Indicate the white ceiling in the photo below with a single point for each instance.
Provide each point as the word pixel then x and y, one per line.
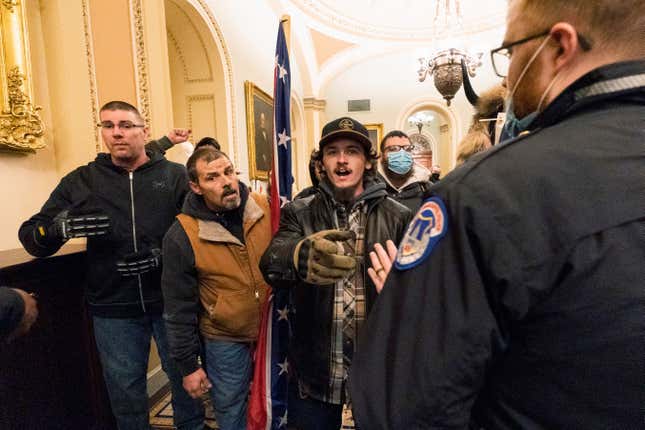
pixel 403 20
pixel 332 35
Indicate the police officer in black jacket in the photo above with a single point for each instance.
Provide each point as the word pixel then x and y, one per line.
pixel 123 203
pixel 517 300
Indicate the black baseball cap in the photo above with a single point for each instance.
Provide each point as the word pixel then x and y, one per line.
pixel 345 127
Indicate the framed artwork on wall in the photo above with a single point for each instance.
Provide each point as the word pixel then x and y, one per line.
pixel 376 134
pixel 259 130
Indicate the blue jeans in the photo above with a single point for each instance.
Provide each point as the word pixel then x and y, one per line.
pixel 311 414
pixel 229 368
pixel 124 347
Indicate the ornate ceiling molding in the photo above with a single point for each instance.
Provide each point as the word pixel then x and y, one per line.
pixel 331 14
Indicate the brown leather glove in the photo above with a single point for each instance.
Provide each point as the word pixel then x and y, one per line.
pixel 320 260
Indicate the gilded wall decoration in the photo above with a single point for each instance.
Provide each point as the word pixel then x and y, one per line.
pixel 10 4
pixel 91 72
pixel 190 100
pixel 21 128
pixel 143 92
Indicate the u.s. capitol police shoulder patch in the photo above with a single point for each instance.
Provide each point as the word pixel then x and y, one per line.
pixel 426 229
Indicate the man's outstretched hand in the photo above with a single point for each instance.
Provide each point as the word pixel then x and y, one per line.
pixel 320 260
pixel 381 263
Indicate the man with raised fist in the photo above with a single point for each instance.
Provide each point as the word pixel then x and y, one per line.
pixel 123 202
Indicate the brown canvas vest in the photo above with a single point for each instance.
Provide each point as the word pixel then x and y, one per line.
pixel 231 287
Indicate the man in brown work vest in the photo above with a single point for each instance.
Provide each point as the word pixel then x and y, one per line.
pixel 212 284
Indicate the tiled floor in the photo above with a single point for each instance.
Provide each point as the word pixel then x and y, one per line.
pixel 161 416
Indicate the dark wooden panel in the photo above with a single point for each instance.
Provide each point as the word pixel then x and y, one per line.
pixel 51 378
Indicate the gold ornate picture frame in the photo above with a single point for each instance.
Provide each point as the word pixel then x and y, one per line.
pixel 375 131
pixel 259 131
pixel 21 128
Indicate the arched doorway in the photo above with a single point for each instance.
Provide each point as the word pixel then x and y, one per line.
pixel 434 130
pixel 197 77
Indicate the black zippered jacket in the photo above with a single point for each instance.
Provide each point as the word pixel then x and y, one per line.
pixel 310 347
pixel 141 206
pixel 530 312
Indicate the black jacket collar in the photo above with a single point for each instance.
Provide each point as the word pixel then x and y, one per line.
pixel 373 189
pixel 105 159
pixel 604 84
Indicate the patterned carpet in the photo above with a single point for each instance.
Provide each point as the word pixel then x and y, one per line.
pixel 161 415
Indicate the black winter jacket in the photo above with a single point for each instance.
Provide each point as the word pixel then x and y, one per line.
pixel 530 312
pixel 312 323
pixel 141 206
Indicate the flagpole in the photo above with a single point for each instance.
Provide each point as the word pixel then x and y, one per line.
pixel 286 27
pixel 282 84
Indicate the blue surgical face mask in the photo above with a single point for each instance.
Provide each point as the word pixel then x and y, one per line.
pixel 400 162
pixel 513 125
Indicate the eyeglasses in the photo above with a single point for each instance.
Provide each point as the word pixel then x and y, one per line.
pixel 397 148
pixel 122 125
pixel 501 57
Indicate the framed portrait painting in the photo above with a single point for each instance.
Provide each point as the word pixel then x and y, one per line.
pixel 376 134
pixel 259 130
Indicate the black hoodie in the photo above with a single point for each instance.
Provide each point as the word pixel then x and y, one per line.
pixel 141 205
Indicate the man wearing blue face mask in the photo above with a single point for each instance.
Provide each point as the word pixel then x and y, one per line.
pixel 406 180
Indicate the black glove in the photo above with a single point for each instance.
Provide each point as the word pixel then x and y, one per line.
pixel 139 262
pixel 320 260
pixel 65 226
